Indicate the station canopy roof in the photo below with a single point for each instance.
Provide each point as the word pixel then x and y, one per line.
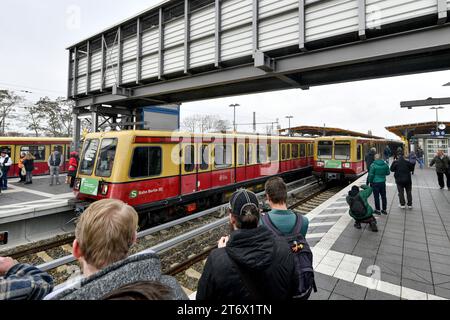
pixel 326 131
pixel 415 128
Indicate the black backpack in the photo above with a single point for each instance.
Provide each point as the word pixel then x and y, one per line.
pixel 357 206
pixel 303 256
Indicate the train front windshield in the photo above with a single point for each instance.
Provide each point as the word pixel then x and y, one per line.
pixel 325 149
pixel 105 161
pixel 88 158
pixel 342 150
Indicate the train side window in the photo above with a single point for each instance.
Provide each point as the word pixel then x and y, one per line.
pixel 37 151
pixel 288 151
pixel 106 158
pixel 8 150
pixel 262 153
pixel 302 150
pixel 295 151
pixel 311 150
pixel 223 156
pixel 146 162
pixel 189 158
pixel 325 149
pixel 250 159
pixel 283 151
pixel 204 156
pixel 241 155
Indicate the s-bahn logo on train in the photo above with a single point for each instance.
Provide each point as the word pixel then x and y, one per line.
pixel 134 194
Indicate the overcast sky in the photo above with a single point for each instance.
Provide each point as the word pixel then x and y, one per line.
pixel 34 36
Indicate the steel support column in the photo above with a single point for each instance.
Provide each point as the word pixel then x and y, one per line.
pixel 75 73
pixel 138 51
pixel 217 34
pixel 103 65
pixel 255 26
pixel 301 25
pixel 94 121
pixel 119 56
pixel 160 45
pixel 362 19
pixel 76 131
pixel 88 67
pixel 187 35
pixel 70 77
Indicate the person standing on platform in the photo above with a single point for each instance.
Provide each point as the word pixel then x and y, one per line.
pixel 402 169
pixel 370 158
pixel 420 156
pixel 442 163
pixel 21 166
pixel 54 162
pixel 387 153
pixel 378 172
pixel 5 165
pixel 413 159
pixel 29 167
pixel 73 167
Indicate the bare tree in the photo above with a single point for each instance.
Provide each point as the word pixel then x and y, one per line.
pixel 222 125
pixel 8 102
pixel 34 119
pixel 190 123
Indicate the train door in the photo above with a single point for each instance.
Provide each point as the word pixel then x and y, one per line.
pixel 250 170
pixel 188 169
pixel 40 154
pixel 240 162
pixel 10 151
pixel 204 166
pixel 360 163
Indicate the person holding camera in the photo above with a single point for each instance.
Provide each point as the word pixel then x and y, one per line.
pixel 23 281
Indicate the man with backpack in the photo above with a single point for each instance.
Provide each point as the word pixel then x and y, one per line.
pixel 251 264
pixel 360 210
pixel 377 179
pixel 5 165
pixel 54 162
pixel 291 227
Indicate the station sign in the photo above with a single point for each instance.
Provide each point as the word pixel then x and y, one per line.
pixel 438 134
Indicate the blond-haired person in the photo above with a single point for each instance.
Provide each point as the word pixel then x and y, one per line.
pixel 104 235
pixel 28 163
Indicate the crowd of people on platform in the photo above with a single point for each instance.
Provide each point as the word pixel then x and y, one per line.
pixel 26 166
pixel 265 257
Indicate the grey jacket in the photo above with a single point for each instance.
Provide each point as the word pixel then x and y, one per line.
pixel 141 267
pixel 442 165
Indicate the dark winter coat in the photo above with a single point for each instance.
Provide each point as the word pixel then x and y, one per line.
pixel 370 158
pixel 378 172
pixel 29 165
pixel 402 169
pixel 419 154
pixel 442 165
pixel 268 262
pixel 365 193
pixel 141 267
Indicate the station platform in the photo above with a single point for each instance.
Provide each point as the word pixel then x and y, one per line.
pixel 33 212
pixel 409 258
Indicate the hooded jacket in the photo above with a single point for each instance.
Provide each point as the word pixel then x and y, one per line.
pixel 365 193
pixel 267 261
pixel 141 267
pixel 378 172
pixel 369 158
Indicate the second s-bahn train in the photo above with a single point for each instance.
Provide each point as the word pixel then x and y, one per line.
pixel 343 157
pixel 159 172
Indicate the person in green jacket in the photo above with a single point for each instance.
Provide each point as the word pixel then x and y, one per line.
pixel 378 172
pixel 360 209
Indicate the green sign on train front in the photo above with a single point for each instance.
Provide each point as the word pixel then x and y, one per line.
pixel 333 164
pixel 89 186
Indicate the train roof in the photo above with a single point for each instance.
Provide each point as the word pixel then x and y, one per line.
pixel 177 134
pixel 37 139
pixel 355 138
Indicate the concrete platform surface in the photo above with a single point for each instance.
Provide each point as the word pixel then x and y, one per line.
pixel 409 258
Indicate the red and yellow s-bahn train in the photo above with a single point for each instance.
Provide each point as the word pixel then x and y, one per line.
pixel 156 171
pixel 343 157
pixel 40 148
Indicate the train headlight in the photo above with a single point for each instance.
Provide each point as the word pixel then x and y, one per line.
pixel 320 164
pixel 347 165
pixel 77 184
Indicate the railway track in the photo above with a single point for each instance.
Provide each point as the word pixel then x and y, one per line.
pixel 53 255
